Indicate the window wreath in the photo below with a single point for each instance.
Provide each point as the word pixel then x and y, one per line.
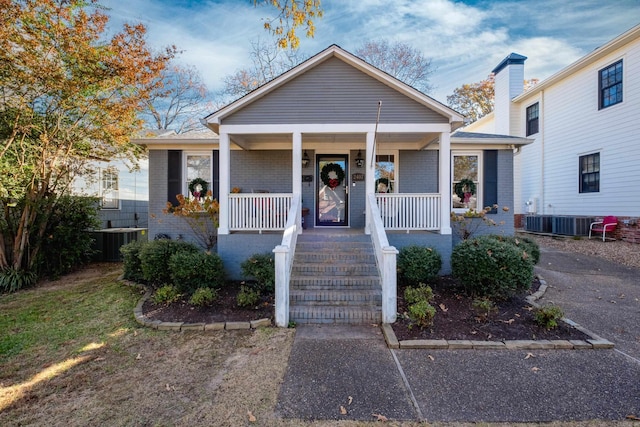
pixel 332 175
pixel 464 189
pixel 198 188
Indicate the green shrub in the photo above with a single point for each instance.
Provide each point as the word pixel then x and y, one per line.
pixel 67 242
pixel 260 267
pixel 422 292
pixel 132 267
pixel 548 316
pixel 154 259
pixel 529 246
pixel 203 297
pixel 166 294
pixel 12 280
pixel 418 264
pixel 484 307
pixel 247 297
pixel 422 313
pixel 491 268
pixel 193 270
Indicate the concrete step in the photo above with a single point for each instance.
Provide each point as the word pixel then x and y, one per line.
pixel 335 314
pixel 334 258
pixel 332 297
pixel 316 270
pixel 335 282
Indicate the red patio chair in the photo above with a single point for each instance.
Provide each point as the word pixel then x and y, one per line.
pixel 609 223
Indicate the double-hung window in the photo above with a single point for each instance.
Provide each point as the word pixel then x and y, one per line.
pixel 197 165
pixel 589 179
pixel 466 189
pixel 110 187
pixel 385 173
pixel 533 113
pixel 610 85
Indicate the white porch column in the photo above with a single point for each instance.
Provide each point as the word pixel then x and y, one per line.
pixel 445 183
pixel 297 164
pixel 225 178
pixel 370 178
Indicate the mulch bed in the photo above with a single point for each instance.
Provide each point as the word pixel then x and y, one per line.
pixel 456 319
pixel 225 309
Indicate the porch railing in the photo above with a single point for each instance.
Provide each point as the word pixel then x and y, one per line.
pixel 386 259
pixel 409 211
pixel 284 254
pixel 258 212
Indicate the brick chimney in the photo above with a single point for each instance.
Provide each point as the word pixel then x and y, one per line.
pixel 509 83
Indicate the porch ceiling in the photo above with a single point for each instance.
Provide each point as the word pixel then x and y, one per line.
pixel 405 141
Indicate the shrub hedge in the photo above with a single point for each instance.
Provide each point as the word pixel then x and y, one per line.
pixel 418 264
pixel 261 267
pixel 155 256
pixel 192 270
pixel 489 267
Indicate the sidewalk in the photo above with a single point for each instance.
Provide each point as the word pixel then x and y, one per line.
pixel 329 365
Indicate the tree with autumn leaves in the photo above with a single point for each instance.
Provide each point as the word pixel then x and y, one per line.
pixel 68 95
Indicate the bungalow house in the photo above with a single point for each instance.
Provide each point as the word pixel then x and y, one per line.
pixel 344 146
pixel 583 120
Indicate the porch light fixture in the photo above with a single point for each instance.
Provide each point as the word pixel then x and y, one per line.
pixel 305 159
pixel 359 159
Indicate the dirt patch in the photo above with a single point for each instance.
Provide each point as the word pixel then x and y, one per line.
pixel 457 319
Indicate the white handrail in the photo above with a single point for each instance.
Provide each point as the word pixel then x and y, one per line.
pixel 284 254
pixel 386 258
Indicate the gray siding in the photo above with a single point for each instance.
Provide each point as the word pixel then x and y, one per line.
pixel 132 213
pixel 333 92
pixel 418 171
pixel 237 247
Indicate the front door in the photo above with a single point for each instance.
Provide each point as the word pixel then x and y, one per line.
pixel 332 199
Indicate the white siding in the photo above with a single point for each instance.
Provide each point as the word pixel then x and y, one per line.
pixel 572 125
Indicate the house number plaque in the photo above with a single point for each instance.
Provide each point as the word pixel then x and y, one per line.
pixel 357 177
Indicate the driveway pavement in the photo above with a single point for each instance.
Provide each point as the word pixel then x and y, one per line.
pixel 348 373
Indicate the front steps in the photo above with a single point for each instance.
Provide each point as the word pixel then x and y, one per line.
pixel 335 279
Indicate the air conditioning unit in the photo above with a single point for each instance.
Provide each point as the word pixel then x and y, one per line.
pixel 538 223
pixel 571 225
pixel 109 240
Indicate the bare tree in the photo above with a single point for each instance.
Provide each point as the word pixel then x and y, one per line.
pixel 268 62
pixel 179 100
pixel 400 60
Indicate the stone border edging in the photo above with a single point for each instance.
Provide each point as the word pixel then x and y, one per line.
pixel 184 326
pixel 595 341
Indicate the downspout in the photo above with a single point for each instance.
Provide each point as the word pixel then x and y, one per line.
pixel 542 200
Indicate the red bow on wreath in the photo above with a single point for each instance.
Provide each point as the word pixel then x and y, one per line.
pixel 333 183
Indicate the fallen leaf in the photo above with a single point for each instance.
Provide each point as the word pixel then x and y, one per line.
pixel 138 357
pixel 443 308
pixel 350 400
pixel 529 356
pixel 621 296
pixel 474 332
pixel 517 315
pixel 168 387
pixel 535 369
pixel 343 410
pixel 135 333
pixel 252 418
pixel 99 359
pixel 612 301
pixel 380 417
pixel 431 357
pixel 633 417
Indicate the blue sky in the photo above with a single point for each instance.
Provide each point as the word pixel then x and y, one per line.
pixel 464 39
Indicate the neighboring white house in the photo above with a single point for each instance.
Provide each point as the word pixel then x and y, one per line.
pixel 584 120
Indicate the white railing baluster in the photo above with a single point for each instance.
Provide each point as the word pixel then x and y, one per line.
pixel 259 212
pixel 409 211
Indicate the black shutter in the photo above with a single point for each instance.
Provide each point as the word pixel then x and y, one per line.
pixel 216 175
pixel 490 184
pixel 174 175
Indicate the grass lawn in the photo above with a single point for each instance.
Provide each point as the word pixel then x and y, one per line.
pixel 71 354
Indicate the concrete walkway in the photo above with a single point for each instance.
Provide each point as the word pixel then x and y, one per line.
pixel 349 373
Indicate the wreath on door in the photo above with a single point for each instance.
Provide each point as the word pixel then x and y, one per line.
pixel 332 175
